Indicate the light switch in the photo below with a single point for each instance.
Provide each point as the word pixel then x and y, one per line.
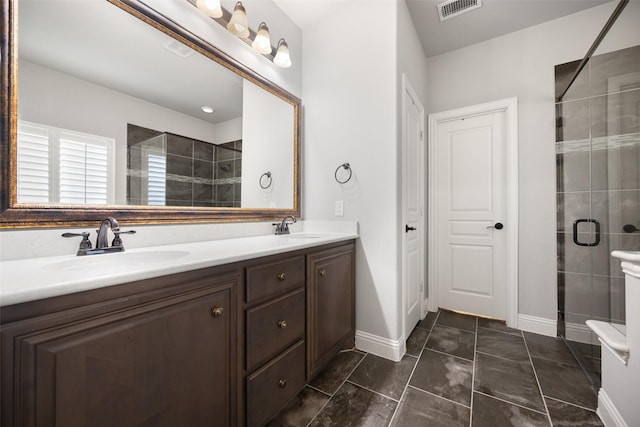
pixel 339 210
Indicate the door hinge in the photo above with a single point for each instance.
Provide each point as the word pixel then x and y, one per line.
pixel 421 136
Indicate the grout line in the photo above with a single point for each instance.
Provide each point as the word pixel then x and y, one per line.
pixel 372 391
pixel 338 388
pixel 501 357
pixel 318 390
pixel 473 373
pixel 404 392
pixel 502 332
pixel 569 403
pixel 440 397
pixel 449 354
pixel 514 404
pixel 535 374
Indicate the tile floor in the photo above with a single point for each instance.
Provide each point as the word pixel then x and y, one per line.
pixel 458 371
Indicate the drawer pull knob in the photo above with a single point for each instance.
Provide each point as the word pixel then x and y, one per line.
pixel 323 272
pixel 282 383
pixel 282 324
pixel 217 311
pixel 282 276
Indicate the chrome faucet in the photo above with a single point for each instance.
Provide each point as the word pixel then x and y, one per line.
pixel 102 241
pixel 283 227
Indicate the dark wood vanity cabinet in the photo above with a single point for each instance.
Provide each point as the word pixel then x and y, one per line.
pixel 221 346
pixel 157 358
pixel 330 305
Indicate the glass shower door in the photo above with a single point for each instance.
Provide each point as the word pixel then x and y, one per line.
pixel 598 186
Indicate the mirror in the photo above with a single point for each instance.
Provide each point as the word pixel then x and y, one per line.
pixel 151 124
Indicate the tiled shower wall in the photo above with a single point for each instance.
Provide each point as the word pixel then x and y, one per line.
pixel 197 173
pixel 598 177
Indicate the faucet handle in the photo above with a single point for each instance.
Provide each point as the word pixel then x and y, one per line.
pixel 85 244
pixel 117 241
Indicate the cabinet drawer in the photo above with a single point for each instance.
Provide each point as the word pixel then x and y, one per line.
pixel 274 326
pixel 271 387
pixel 272 279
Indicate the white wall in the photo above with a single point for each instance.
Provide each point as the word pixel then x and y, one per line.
pixel 266 147
pixel 351 98
pixel 522 64
pixel 230 130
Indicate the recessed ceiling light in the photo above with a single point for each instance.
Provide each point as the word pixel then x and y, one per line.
pixel 208 110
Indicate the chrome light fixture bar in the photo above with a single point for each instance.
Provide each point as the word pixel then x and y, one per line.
pixel 237 24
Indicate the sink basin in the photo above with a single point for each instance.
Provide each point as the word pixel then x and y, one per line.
pixel 633 256
pixel 117 260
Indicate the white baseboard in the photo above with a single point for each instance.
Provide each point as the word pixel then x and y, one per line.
pixel 380 346
pixel 580 333
pixel 538 325
pixel 608 412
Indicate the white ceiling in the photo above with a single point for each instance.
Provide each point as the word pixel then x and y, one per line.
pixel 493 19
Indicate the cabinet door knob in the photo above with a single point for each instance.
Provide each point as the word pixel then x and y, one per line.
pixel 282 324
pixel 282 383
pixel 282 276
pixel 323 272
pixel 217 311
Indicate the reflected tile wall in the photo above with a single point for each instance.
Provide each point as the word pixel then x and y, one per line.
pixel 598 153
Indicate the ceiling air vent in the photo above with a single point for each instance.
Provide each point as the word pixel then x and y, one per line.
pixel 451 8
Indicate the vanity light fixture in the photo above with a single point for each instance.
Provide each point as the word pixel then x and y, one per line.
pixel 282 58
pixel 211 8
pixel 262 41
pixel 207 109
pixel 239 25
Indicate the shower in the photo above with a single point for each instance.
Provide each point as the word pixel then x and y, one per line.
pixel 598 189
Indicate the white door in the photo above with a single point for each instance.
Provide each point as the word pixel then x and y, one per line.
pixel 413 190
pixel 471 205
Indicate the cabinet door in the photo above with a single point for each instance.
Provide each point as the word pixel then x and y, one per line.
pixel 330 305
pixel 166 363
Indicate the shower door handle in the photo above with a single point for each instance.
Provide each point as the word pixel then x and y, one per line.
pixel 596 242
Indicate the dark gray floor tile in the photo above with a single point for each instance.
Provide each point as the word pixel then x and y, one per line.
pixel 503 345
pixel 452 341
pixel 301 410
pixel 355 406
pixel 565 382
pixel 549 348
pixel 418 408
pixel 330 379
pixel 384 376
pixel 457 320
pixel 444 375
pixel 490 412
pixel 566 415
pixel 416 341
pixel 509 380
pixel 428 321
pixel 498 325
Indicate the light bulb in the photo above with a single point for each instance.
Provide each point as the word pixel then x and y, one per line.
pixel 262 42
pixel 238 25
pixel 211 7
pixel 282 58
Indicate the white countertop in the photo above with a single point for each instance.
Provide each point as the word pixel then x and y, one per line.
pixel 36 278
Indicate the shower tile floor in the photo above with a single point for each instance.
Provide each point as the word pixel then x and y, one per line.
pixel 459 370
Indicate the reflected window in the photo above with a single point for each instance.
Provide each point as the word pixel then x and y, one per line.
pixel 63 166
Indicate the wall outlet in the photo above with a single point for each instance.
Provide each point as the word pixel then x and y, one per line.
pixel 339 209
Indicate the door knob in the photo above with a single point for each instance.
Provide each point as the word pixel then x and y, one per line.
pixel 497 226
pixel 408 229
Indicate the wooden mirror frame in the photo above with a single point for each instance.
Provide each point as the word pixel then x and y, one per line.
pixel 14 215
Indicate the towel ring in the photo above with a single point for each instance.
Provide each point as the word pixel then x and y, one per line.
pixel 262 180
pixel 347 167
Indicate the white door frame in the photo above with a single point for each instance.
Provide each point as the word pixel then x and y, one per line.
pixel 510 108
pixel 408 90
